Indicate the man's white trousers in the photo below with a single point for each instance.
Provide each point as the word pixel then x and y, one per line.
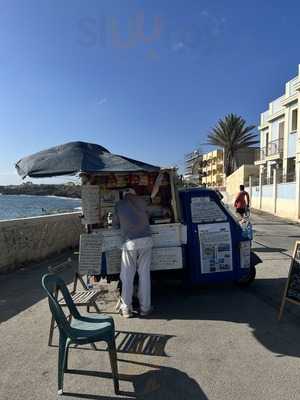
pixel 136 260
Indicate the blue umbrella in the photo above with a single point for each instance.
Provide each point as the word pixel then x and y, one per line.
pixel 71 158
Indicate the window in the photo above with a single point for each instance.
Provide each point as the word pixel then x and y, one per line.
pixel 294 119
pixel 267 143
pixel 281 129
pixel 291 170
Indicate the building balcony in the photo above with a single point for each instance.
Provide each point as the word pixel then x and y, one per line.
pixel 260 156
pixel 291 87
pixel 272 151
pixel 191 156
pixel 264 118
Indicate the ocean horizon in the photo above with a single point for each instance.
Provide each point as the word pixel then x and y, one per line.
pixel 24 206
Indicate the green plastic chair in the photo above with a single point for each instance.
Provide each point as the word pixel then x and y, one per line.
pixel 81 330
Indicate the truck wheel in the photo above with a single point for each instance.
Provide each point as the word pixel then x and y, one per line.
pixel 247 279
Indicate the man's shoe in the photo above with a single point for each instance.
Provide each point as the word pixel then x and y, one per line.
pixel 125 313
pixel 146 313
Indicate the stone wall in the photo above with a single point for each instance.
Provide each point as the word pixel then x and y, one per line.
pixel 31 239
pixel 279 199
pixel 239 177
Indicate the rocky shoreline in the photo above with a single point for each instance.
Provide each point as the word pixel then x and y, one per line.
pixel 72 191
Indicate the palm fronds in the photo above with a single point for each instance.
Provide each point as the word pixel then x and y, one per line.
pixel 232 134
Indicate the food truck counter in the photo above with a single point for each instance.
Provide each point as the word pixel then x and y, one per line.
pixel 101 193
pixel 167 250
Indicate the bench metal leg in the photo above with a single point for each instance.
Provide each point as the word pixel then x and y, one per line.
pixel 52 323
pixel 96 307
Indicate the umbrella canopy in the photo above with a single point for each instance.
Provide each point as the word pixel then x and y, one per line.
pixel 74 157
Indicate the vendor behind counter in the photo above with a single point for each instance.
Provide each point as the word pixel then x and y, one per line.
pixel 155 189
pixel 158 202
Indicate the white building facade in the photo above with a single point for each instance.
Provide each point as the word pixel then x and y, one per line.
pixel 279 135
pixel 278 187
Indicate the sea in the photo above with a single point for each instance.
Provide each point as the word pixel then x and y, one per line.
pixel 22 206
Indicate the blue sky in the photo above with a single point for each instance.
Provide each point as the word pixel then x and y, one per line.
pixel 142 78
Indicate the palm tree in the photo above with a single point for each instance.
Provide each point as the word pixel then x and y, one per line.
pixel 232 134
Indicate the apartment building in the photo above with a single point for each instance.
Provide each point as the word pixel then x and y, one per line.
pixel 208 169
pixel 213 169
pixel 279 126
pixel 193 166
pixel 213 165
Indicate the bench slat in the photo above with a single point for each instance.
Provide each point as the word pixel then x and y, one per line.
pixel 82 297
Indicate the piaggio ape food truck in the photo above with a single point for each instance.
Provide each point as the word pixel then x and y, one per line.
pixel 193 232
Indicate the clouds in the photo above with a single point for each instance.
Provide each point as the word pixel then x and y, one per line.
pixel 202 34
pixel 178 46
pixel 102 101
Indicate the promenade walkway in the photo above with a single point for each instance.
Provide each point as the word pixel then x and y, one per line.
pixel 216 343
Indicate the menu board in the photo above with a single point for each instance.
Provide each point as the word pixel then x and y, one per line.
pixel 292 288
pixel 166 258
pixel 205 209
pixel 90 253
pixel 168 235
pixel 112 240
pixel 163 258
pixel 245 254
pixel 113 261
pixel 215 247
pixel 90 201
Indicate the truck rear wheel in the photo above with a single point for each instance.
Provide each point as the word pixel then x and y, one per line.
pixel 247 279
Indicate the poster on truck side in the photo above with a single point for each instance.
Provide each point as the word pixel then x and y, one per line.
pixel 215 247
pixel 90 202
pixel 204 209
pixel 245 254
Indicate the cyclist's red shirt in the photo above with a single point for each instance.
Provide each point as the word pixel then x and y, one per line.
pixel 240 201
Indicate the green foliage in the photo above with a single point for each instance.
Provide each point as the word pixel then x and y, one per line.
pixel 232 134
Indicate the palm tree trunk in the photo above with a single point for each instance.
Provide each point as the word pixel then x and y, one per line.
pixel 228 163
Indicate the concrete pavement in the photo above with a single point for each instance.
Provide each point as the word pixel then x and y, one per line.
pixel 216 343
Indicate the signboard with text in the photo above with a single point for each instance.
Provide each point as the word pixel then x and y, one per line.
pixel 292 288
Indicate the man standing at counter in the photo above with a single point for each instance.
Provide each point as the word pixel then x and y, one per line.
pixel 131 215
